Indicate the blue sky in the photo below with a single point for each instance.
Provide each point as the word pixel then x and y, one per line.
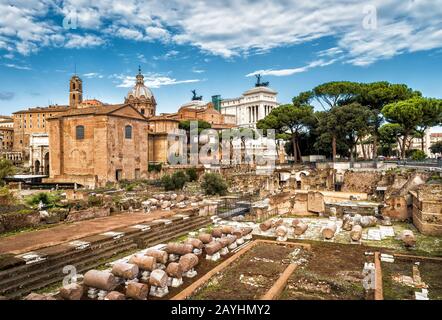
pixel 213 47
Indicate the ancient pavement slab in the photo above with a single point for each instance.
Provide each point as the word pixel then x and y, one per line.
pixel 33 240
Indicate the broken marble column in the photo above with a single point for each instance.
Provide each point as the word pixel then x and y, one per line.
pixel 115 295
pixel 137 291
pixel 328 232
pixel 99 283
pixel 197 245
pixel 224 246
pixel 408 238
pixel 281 233
pixel 158 283
pixel 217 233
pixel 266 225
pixel 300 228
pixel 205 238
pixel 125 271
pixel 213 250
pixel 232 242
pixel 37 296
pixel 368 221
pixel 160 256
pixel 237 232
pixel 175 250
pixel 72 291
pixel 145 263
pixel 356 233
pixel 227 229
pixel 277 222
pixel 188 262
pixel 247 233
pixel 175 273
pixel 347 223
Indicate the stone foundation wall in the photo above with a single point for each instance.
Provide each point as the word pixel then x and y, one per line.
pixel 397 208
pixel 427 209
pixel 361 181
pixel 19 220
pixel 88 214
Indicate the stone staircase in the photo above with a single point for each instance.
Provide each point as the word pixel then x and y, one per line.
pixel 44 267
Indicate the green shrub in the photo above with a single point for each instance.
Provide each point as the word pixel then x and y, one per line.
pixel 154 167
pixel 6 197
pixel 94 201
pixel 214 184
pixel 6 169
pixel 192 174
pixel 174 182
pixel 47 198
pixel 167 182
pixel 418 155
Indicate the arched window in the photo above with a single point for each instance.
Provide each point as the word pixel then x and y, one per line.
pixel 128 132
pixel 142 111
pixel 79 132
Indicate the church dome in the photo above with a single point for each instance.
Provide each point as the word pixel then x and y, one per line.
pixel 140 91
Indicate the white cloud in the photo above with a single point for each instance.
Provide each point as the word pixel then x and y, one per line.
pixel 195 70
pixel 152 80
pixel 79 41
pixel 130 34
pixel 15 66
pixel 289 72
pixel 230 28
pixel 92 75
pixel 167 55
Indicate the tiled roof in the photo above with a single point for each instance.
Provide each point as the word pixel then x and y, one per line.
pixel 43 109
pixel 99 110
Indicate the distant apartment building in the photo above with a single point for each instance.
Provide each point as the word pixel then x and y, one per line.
pixel 32 121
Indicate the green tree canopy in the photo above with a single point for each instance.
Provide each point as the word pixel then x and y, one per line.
pixel 6 169
pixel 332 94
pixel 348 122
pixel 436 147
pixel 289 118
pixel 185 125
pixel 376 95
pixel 412 115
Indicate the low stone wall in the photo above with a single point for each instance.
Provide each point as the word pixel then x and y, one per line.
pixel 18 220
pixel 365 182
pixel 397 208
pixel 88 214
pixel 300 201
pixel 427 209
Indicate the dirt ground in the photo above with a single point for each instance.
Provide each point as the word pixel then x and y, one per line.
pixel 250 276
pixel 430 272
pixel 33 240
pixel 333 271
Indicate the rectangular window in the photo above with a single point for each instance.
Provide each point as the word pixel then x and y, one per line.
pixel 79 132
pixel 128 132
pixel 118 174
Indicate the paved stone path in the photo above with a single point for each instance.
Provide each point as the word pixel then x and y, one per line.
pixel 33 240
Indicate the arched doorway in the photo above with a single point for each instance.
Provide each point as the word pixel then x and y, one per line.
pixel 36 167
pixel 46 165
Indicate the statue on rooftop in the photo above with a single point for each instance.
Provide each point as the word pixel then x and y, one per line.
pixel 259 83
pixel 195 97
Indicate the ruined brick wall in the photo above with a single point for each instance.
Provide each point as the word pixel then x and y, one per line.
pixel 397 208
pixel 321 179
pixel 316 202
pixel 365 182
pixel 427 209
pixel 88 214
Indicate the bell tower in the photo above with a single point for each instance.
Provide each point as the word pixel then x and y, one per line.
pixel 75 91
